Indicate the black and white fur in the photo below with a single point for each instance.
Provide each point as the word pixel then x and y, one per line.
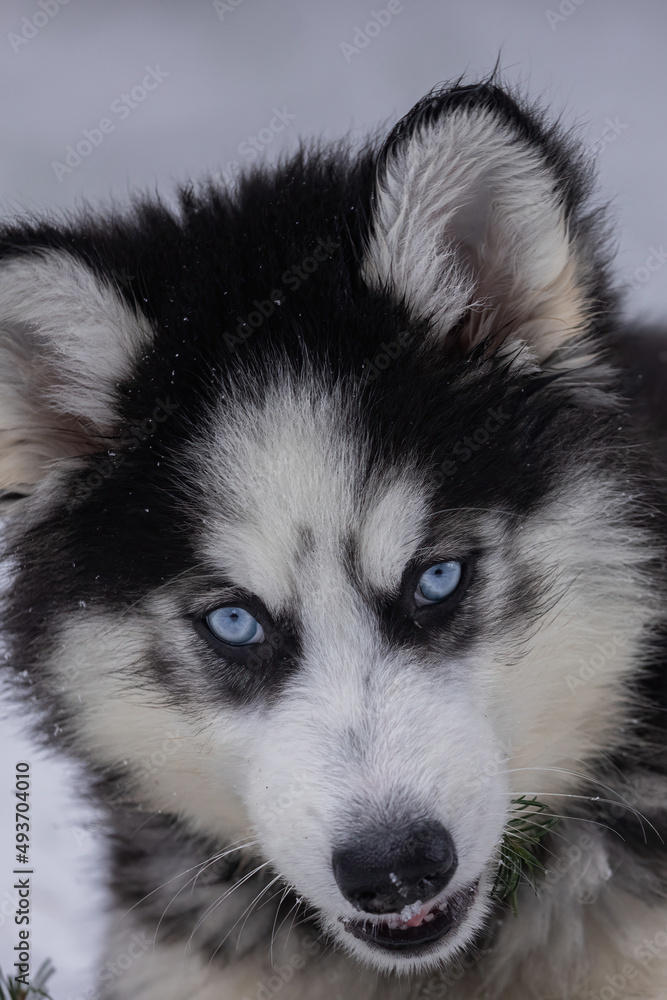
pixel 434 375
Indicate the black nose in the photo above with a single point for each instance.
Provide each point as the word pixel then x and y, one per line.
pixel 384 871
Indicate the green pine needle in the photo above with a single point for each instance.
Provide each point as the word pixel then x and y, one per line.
pixel 11 990
pixel 528 826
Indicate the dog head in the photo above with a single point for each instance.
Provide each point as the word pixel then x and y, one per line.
pixel 325 507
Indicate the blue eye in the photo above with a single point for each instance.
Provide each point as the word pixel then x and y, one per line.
pixel 235 626
pixel 438 582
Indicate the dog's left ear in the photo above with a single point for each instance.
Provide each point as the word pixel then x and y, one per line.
pixel 68 341
pixel 476 224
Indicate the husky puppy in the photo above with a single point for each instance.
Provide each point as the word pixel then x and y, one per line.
pixel 337 554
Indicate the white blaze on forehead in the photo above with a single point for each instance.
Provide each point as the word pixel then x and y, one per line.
pixel 391 531
pixel 290 475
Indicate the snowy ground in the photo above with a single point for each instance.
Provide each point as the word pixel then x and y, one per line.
pixel 220 71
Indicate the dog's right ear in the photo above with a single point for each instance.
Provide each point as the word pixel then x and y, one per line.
pixel 477 226
pixel 66 342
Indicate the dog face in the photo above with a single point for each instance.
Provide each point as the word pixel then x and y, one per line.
pixel 348 560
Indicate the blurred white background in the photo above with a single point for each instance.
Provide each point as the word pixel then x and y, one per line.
pixel 215 74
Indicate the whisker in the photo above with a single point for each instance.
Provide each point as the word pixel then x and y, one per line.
pixel 304 920
pixel 174 877
pixel 214 905
pixel 255 901
pixel 331 945
pixel 192 881
pixel 212 861
pixel 248 910
pixel 579 819
pixel 301 907
pixel 595 781
pixel 275 933
pixel 278 892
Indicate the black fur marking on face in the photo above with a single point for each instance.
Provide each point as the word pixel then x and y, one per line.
pixel 257 671
pixel 441 625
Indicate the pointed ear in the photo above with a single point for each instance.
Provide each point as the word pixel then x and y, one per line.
pixel 66 340
pixel 477 225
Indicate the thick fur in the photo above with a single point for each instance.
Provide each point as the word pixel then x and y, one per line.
pixel 296 396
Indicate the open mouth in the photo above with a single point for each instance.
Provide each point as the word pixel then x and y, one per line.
pixel 414 927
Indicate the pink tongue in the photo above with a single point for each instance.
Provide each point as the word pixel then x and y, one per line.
pixel 418 918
